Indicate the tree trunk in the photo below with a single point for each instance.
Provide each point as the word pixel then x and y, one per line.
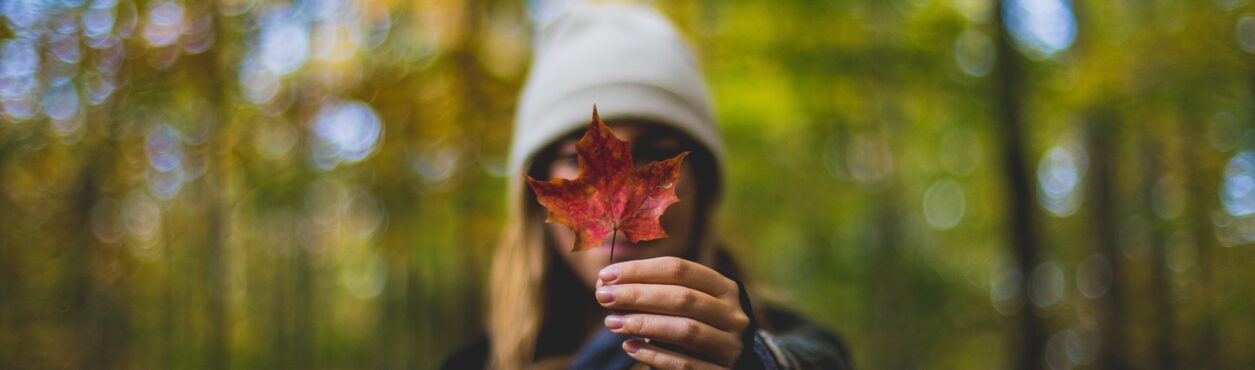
pixel 1199 195
pixel 99 325
pixel 216 182
pixel 1103 164
pixel 1160 279
pixel 1023 236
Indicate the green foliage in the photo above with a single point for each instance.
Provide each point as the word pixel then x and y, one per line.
pixel 221 200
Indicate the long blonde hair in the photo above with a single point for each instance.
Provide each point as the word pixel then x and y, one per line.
pixel 516 304
pixel 514 290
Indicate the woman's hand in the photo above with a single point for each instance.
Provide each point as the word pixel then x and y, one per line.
pixel 672 300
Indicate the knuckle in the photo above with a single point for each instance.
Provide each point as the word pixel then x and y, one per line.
pixel 641 325
pixel 728 358
pixel 740 320
pixel 679 267
pixel 687 301
pixel 685 365
pixel 732 360
pixel 690 332
pixel 730 287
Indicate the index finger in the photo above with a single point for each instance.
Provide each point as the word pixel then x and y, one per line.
pixel 668 270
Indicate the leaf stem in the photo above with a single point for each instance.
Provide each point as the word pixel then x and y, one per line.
pixel 616 232
pixel 612 243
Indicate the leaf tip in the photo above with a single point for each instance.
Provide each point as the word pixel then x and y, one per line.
pixel 596 122
pixel 680 157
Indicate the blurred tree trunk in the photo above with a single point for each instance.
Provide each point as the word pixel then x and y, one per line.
pixel 399 325
pixel 469 69
pixel 99 323
pixel 889 316
pixel 1103 164
pixel 1160 280
pixel 304 309
pixel 215 254
pixel 12 323
pixel 169 302
pixel 890 306
pixel 476 119
pixel 282 322
pixel 1023 236
pixel 218 228
pixel 1200 194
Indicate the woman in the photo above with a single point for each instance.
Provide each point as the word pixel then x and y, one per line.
pixel 672 303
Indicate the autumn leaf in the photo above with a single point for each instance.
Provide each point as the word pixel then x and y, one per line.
pixel 609 195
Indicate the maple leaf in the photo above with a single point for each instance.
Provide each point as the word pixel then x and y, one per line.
pixel 610 195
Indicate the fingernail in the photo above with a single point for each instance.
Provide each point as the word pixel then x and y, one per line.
pixel 605 294
pixel 609 274
pixel 614 321
pixel 631 346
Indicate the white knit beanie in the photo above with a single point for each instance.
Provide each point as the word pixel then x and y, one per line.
pixel 625 58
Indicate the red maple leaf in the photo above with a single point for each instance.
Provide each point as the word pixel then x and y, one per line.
pixel 609 195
